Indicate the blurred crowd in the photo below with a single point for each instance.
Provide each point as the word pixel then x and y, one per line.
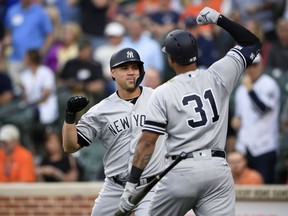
pixel 53 49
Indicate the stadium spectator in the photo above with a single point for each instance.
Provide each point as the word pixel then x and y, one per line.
pixel 38 83
pixel 94 13
pixel 152 78
pixel 27 26
pixel 39 92
pixel 242 174
pixel 163 20
pixel 257 105
pixel 56 166
pixel 256 28
pixel 283 153
pixel 16 162
pixel 6 88
pixel 142 7
pixel 281 175
pixel 82 75
pixel 278 52
pixel 149 49
pixel 260 11
pixel 284 117
pixel 69 10
pixel 192 8
pixel 285 9
pixel 54 15
pixel 114 32
pixel 64 48
pixel 2 15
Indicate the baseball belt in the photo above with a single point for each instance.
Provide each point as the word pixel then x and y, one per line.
pixel 214 153
pixel 142 181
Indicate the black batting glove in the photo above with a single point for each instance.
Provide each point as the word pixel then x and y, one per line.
pixel 74 105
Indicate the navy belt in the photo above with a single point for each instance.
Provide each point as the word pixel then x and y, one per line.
pixel 142 181
pixel 214 153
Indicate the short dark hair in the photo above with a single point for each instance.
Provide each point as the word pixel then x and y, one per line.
pixel 84 42
pixel 34 56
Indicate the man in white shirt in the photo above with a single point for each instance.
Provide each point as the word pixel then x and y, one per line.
pixel 256 119
pixel 39 85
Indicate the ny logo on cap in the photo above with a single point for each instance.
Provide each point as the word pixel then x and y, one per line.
pixel 252 56
pixel 130 54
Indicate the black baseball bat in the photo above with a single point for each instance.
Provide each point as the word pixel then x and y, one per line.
pixel 143 192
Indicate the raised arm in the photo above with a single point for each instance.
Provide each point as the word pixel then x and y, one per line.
pixel 240 34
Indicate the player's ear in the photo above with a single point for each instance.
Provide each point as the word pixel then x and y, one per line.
pixel 170 60
pixel 113 73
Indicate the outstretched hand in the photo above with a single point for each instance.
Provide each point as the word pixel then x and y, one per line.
pixel 207 16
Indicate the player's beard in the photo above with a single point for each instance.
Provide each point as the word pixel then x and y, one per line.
pixel 130 85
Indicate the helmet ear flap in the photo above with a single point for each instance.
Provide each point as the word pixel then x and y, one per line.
pixel 141 77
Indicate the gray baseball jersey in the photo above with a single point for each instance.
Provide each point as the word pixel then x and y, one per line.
pixel 118 124
pixel 193 109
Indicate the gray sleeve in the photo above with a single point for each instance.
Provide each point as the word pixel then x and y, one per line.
pixel 87 127
pixel 229 69
pixel 156 115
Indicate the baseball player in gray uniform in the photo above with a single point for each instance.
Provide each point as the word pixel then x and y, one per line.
pixel 192 108
pixel 117 121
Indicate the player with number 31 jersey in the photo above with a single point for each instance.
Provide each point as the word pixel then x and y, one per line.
pixel 192 108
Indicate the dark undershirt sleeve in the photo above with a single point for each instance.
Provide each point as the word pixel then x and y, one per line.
pixel 263 108
pixel 82 140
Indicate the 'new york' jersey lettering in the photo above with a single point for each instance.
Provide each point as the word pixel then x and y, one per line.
pixel 123 124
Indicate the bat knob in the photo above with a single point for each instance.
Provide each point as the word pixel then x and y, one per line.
pixel 183 155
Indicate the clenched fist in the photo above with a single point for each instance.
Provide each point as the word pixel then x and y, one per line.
pixel 207 16
pixel 74 105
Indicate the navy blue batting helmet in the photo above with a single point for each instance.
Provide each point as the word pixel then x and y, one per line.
pixel 181 46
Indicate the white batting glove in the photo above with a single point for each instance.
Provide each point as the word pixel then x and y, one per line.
pixel 207 16
pixel 129 191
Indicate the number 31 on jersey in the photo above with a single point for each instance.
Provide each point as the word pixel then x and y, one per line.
pixel 208 95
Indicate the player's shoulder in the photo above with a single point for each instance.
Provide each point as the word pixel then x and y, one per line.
pixel 105 103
